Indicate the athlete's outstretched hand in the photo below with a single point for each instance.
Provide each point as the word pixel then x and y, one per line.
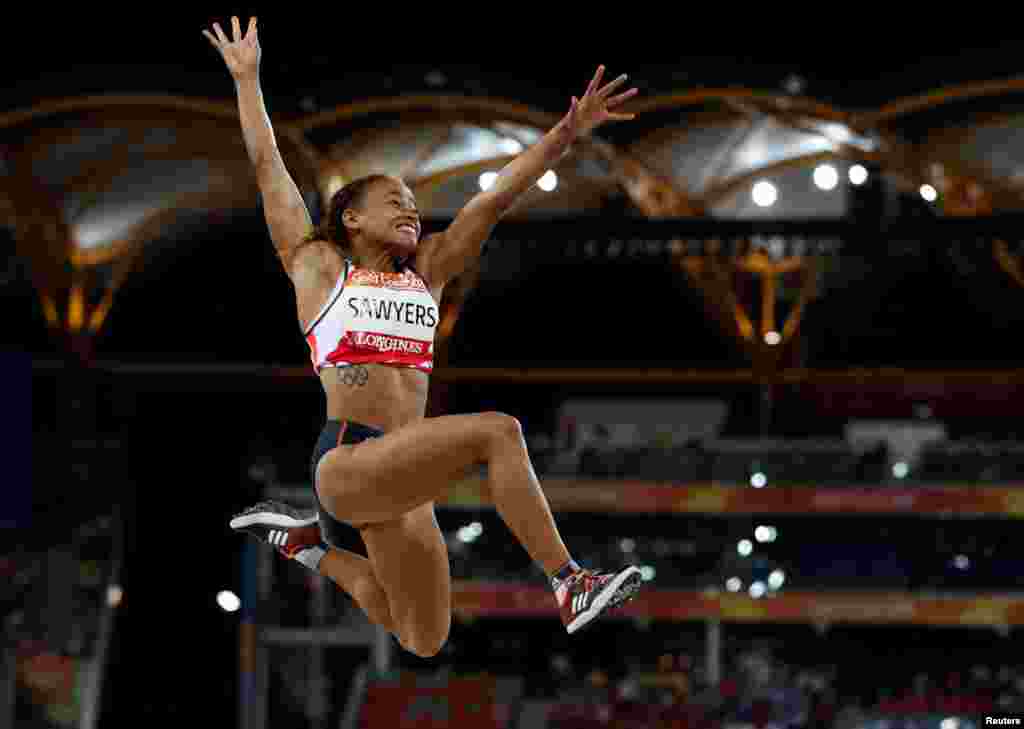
pixel 242 55
pixel 595 108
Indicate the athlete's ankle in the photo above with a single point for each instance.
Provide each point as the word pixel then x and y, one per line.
pixel 564 572
pixel 312 557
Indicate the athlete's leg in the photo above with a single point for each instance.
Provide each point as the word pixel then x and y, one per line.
pixel 381 479
pixel 297 536
pixel 410 560
pixel 356 576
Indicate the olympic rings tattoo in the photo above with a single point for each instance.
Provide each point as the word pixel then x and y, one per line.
pixel 354 375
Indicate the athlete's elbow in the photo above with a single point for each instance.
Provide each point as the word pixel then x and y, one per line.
pixel 264 166
pixel 260 151
pixel 493 204
pixel 424 647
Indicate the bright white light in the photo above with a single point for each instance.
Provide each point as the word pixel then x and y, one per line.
pixel 757 589
pixel 950 722
pixel 647 573
pixel 734 584
pixel 470 532
pixel 794 84
pixel 858 175
pixel 900 469
pixel 548 182
pixel 772 338
pixel 510 146
pixel 114 595
pixel 764 194
pixel 776 578
pixel 627 545
pixel 98 227
pixel 228 601
pixel 745 547
pixel 961 561
pixel 826 177
pixel 838 133
pixel 763 534
pixel 758 480
pixel 487 180
pixel 929 193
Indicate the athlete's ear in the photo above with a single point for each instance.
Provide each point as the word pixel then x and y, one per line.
pixel 350 219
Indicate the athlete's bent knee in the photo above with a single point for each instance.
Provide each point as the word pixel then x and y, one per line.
pixel 504 426
pixel 423 645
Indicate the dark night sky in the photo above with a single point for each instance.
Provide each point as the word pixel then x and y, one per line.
pixel 508 51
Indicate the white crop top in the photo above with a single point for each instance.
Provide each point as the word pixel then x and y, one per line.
pixel 374 317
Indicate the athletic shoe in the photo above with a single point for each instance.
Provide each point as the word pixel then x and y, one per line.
pixel 286 529
pixel 588 593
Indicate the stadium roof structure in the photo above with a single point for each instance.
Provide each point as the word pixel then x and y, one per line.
pixel 95 186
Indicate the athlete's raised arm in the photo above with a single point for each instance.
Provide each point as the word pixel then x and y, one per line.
pixel 283 206
pixel 446 255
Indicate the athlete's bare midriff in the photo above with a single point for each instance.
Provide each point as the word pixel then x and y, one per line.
pixel 380 396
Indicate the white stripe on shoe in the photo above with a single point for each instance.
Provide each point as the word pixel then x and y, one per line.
pixel 270 518
pixel 602 599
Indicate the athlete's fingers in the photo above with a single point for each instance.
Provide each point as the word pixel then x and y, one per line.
pixel 236 29
pixel 220 34
pixel 595 81
pixel 616 100
pixel 252 27
pixel 610 87
pixel 214 41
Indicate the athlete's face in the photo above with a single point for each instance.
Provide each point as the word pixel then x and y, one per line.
pixel 388 216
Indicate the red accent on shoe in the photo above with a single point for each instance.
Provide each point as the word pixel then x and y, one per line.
pixel 300 538
pixel 585 596
pixel 576 593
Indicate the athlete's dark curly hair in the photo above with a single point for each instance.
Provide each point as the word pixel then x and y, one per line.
pixel 331 227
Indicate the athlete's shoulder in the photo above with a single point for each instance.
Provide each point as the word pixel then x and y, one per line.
pixel 317 256
pixel 424 259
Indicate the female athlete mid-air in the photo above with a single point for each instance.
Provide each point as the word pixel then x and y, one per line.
pixel 367 292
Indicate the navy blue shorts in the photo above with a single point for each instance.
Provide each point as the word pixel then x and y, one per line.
pixel 337 432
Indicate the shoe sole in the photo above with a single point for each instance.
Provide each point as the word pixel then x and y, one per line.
pixel 602 600
pixel 271 519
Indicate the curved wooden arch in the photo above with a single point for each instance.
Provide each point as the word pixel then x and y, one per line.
pixel 149 226
pixel 216 109
pixel 98 255
pixel 791 104
pixel 436 179
pixel 955 135
pixel 669 133
pixel 51 107
pixel 447 104
pixel 938 97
